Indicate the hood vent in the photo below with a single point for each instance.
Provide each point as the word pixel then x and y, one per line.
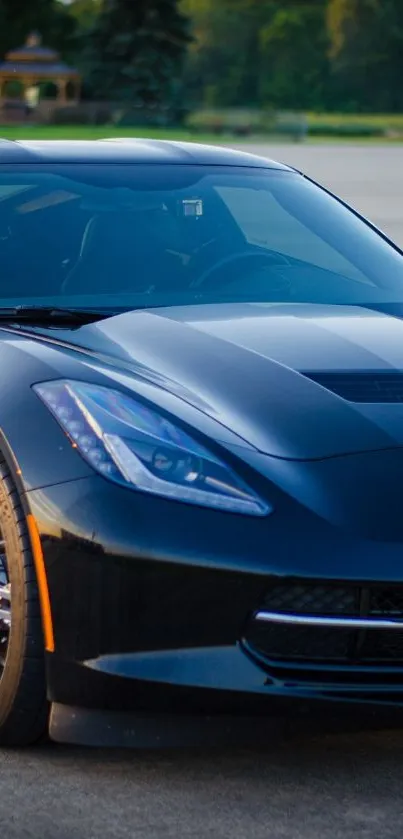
pixel 374 386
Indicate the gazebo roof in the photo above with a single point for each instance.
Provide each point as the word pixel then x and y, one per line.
pixel 35 61
pixel 46 71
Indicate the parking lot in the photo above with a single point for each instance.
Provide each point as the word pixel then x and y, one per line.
pixel 319 788
pixel 310 787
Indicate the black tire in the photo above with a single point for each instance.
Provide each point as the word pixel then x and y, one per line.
pixel 23 704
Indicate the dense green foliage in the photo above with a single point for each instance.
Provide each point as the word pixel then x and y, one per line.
pixel 319 54
pixel 258 52
pixel 367 52
pixel 340 55
pixel 137 50
pixel 20 17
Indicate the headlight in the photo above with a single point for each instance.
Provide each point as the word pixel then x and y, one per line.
pixel 137 447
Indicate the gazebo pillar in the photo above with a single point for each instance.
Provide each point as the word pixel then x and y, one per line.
pixel 26 84
pixel 77 90
pixel 62 90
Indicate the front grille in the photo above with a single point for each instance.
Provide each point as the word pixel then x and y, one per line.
pixel 385 646
pixel 386 602
pixel 280 641
pixel 372 386
pixel 313 600
pixel 327 644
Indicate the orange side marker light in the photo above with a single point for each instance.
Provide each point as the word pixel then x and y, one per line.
pixel 41 577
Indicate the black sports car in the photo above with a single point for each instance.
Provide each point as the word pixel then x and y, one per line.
pixel 201 452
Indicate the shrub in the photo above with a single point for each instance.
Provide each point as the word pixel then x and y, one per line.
pixel 347 129
pixel 83 114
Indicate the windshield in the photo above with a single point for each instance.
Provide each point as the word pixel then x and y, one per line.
pixel 117 237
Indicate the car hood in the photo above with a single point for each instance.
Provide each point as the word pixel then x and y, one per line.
pixel 275 375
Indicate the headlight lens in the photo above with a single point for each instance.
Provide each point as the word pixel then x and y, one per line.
pixel 135 446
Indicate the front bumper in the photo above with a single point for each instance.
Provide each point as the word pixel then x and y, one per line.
pixel 152 602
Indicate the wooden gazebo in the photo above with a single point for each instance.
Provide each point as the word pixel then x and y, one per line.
pixel 33 64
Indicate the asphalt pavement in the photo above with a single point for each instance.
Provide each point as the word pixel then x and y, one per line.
pixel 317 787
pixel 321 788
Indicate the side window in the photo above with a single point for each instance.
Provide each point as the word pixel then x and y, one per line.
pixel 266 223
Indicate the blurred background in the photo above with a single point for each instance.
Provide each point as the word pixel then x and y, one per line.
pixel 293 69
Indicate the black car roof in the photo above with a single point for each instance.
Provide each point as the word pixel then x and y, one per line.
pixel 127 150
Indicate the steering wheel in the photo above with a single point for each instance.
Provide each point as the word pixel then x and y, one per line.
pixel 237 257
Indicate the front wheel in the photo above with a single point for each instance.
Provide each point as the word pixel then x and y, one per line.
pixel 23 703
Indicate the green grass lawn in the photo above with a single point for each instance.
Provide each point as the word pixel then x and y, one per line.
pixel 84 132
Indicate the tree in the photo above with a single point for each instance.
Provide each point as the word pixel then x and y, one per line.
pixel 85 13
pixel 367 52
pixel 52 19
pixel 253 52
pixel 293 47
pixel 223 66
pixel 137 50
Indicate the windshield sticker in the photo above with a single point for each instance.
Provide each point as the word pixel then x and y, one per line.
pixel 192 207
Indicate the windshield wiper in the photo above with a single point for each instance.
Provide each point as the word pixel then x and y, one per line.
pixel 51 315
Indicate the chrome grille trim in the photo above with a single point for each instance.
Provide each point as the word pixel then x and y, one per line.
pixel 328 620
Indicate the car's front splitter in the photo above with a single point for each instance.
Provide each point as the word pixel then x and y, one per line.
pixel 145 730
pixel 202 697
